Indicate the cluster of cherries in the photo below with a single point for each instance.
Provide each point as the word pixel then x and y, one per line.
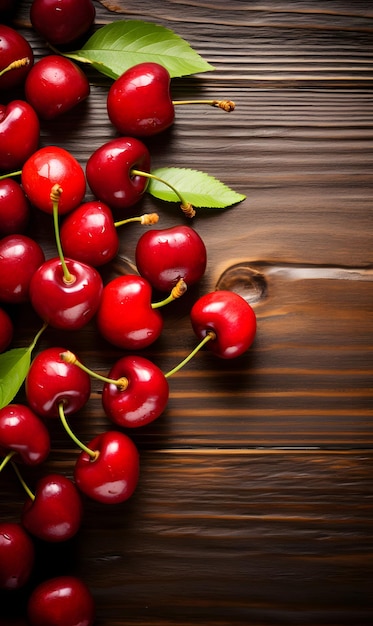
pixel 67 292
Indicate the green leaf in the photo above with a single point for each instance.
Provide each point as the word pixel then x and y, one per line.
pixel 196 187
pixel 115 47
pixel 14 365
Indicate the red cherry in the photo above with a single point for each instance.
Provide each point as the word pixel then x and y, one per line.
pixel 229 317
pixel 145 397
pixel 47 167
pixel 14 208
pixel 17 556
pixel 113 476
pixel 20 257
pixel 125 316
pixel 66 305
pixel 89 235
pixel 109 172
pixel 165 256
pixel 13 47
pixel 61 601
pixel 51 381
pixel 55 85
pixel 19 134
pixel 62 22
pixel 6 330
pixel 56 512
pixel 24 432
pixel 139 101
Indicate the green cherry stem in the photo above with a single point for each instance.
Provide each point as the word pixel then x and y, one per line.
pixel 147 219
pixel 225 105
pixel 6 459
pixel 69 357
pixel 14 65
pixel 11 174
pixel 179 290
pixel 210 335
pixel 55 197
pixel 92 453
pixel 24 485
pixel 185 206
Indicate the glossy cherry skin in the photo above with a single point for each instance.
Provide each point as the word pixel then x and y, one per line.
pixel 19 134
pixel 139 101
pixel 56 512
pixel 68 306
pixel 113 476
pixel 125 317
pixel 88 234
pixel 47 167
pixel 55 85
pixel 6 330
pixel 23 431
pixel 109 175
pixel 62 22
pixel 17 556
pixel 50 381
pixel 230 317
pixel 164 256
pixel 13 47
pixel 143 400
pixel 20 257
pixel 61 601
pixel 14 208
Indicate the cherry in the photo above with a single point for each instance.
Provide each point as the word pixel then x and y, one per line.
pixel 62 22
pixel 139 102
pixel 165 256
pixel 55 85
pixel 20 257
pixel 61 601
pixel 14 207
pixel 51 381
pixel 17 556
pixel 6 330
pixel 54 513
pixel 47 167
pixel 23 432
pixel 229 321
pixel 19 134
pixel 16 58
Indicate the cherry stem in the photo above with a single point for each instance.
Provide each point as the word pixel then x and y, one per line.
pixel 225 105
pixel 69 357
pixel 210 335
pixel 16 173
pixel 185 206
pixel 55 197
pixel 92 453
pixel 14 65
pixel 26 487
pixel 6 460
pixel 179 290
pixel 37 336
pixel 147 219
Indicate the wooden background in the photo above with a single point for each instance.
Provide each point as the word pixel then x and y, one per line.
pixel 255 499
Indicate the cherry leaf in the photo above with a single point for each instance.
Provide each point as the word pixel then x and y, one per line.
pixel 196 187
pixel 14 365
pixel 115 47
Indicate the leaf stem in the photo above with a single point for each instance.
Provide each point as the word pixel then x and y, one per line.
pixel 185 206
pixel 69 357
pixel 6 459
pixel 92 453
pixel 26 487
pixel 55 197
pixel 225 105
pixel 177 291
pixel 210 335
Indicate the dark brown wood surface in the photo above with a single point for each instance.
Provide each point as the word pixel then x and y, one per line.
pixel 255 499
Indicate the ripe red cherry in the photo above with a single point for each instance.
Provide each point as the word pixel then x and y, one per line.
pixel 61 601
pixel 23 432
pixel 19 134
pixel 55 85
pixel 13 47
pixel 14 208
pixel 20 257
pixel 125 316
pixel 109 172
pixel 229 317
pixel 47 167
pixel 6 330
pixel 55 513
pixel 145 397
pixel 113 476
pixel 17 556
pixel 62 22
pixel 164 256
pixel 51 381
pixel 139 101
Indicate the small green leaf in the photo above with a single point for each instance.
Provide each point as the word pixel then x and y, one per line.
pixel 14 365
pixel 198 188
pixel 115 47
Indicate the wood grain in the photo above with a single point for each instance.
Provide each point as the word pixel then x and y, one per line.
pixel 255 499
